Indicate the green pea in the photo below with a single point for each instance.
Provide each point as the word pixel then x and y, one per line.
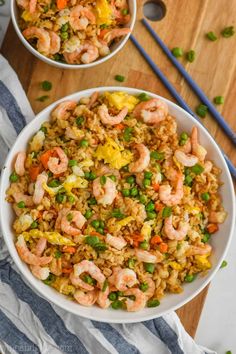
pixel 143 287
pixel 117 304
pixel 143 199
pixel 146 182
pixel 134 192
pixel 144 245
pixel 44 129
pixel 127 134
pixel 183 136
pixel 69 217
pixel 156 155
pixel 125 12
pixel 72 163
pixel 50 174
pixel 166 212
pixel 151 215
pixel 113 178
pixel 112 296
pixel 188 180
pixel 60 198
pixel 54 183
pixel 147 174
pixel 14 177
pixel 120 78
pixel 95 223
pixel 190 278
pixel 131 263
pixel 50 279
pixel 116 213
pixel 89 280
pixel 150 206
pixel 219 100
pixel 87 175
pixel 21 205
pixel 177 52
pixel 100 230
pixel 57 254
pixel 191 55
pixel 206 237
pixel 34 225
pixel 143 97
pixel 149 267
pixel 88 214
pixel 101 224
pixel 92 240
pixel 71 199
pixel 211 35
pixel 92 176
pixel 103 180
pixel 92 201
pixel 197 169
pixel 125 192
pixel 64 27
pixel 153 303
pixel 205 196
pixel 224 264
pixel 84 143
pixel 46 85
pixel 64 35
pixel 130 179
pixel 202 110
pixel 79 120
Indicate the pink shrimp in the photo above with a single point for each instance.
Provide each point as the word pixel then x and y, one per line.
pixel 115 33
pixel 152 112
pixel 170 172
pixel 208 166
pixel 92 100
pixel 175 234
pixel 169 198
pixel 186 159
pixel 62 111
pixel 151 287
pixel 85 298
pixel 197 149
pixel 124 279
pixel 86 267
pixel 217 217
pixel 187 147
pixel 40 272
pixel 39 190
pixel 55 42
pixel 23 3
pixel 143 160
pixel 56 266
pixel 106 118
pixel 20 197
pixel 148 257
pixel 27 256
pixel 54 165
pixel 61 213
pixel 86 54
pixel 139 302
pixel 32 6
pixel 200 250
pixel 80 17
pixel 20 163
pixel 106 193
pixel 102 299
pixel 43 44
pixel 116 242
pixel 118 8
pixel 73 216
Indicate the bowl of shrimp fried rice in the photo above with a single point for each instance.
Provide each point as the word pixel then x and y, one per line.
pixel 72 34
pixel 116 205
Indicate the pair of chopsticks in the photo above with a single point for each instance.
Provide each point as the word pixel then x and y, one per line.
pixel 191 83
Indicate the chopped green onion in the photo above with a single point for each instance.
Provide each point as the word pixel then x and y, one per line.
pixel 228 32
pixel 205 196
pixel 46 85
pixel 57 254
pixel 211 36
pixel 219 100
pixel 92 240
pixel 190 278
pixel 92 201
pixel 153 303
pixel 166 212
pixel 34 225
pixel 223 264
pixel 149 267
pixel 117 304
pixel 103 26
pixel 202 110
pixel 21 205
pixel 113 178
pixel 156 155
pixel 120 78
pixel 44 129
pixel 177 52
pixel 197 169
pixel 50 279
pixel 14 177
pixel 143 287
pixel 60 198
pixel 42 98
pixel 72 163
pixel 103 180
pixel 143 97
pixel 79 120
pixel 64 35
pixel 105 285
pixel 191 56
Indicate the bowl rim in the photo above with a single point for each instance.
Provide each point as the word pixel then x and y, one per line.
pixel 54 63
pixel 20 264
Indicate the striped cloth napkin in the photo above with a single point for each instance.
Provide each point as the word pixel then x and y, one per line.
pixel 29 323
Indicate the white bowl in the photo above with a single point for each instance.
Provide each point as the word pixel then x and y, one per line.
pixel 115 48
pixel 220 241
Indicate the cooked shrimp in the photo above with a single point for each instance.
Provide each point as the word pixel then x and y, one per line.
pixel 143 160
pixel 62 110
pixel 147 257
pixel 200 250
pixel 23 3
pixel 77 218
pixel 27 256
pixel 125 278
pixel 104 194
pixel 112 278
pixel 170 172
pixel 116 242
pixel 87 267
pixel 102 299
pixel 152 111
pixel 167 197
pixel 39 190
pixel 187 147
pixel 139 302
pixel 186 159
pixel 175 234
pixel 40 272
pixel 217 217
pixel 43 44
pixel 197 149
pixel 20 197
pixel 54 165
pixel 56 266
pixel 106 118
pixel 85 299
pixel 32 6
pixel 80 17
pixel 60 214
pixel 208 166
pixel 86 54
pixel 151 287
pixel 93 99
pixel 20 163
pixel 115 33
pixel 55 42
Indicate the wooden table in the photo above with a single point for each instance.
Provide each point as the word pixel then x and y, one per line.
pixel 184 25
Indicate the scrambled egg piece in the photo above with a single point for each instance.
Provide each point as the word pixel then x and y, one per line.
pixel 146 230
pixel 23 223
pixel 73 181
pixel 103 12
pixel 175 265
pixel 193 210
pixel 53 237
pixel 203 262
pixel 29 17
pixel 120 100
pixel 125 221
pixel 51 191
pixel 36 143
pixel 113 154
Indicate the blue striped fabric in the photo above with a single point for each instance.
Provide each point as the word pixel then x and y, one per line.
pixel 54 329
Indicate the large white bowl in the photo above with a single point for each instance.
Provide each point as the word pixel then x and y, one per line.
pixel 220 241
pixel 115 48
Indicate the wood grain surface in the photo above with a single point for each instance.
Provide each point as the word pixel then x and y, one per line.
pixel 185 25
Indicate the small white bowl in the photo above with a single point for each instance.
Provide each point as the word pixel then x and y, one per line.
pixel 220 241
pixel 115 48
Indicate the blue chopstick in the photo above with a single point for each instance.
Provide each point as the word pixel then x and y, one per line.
pixel 218 117
pixel 174 93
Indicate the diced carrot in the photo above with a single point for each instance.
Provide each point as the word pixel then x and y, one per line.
pixel 212 228
pixel 46 156
pixel 137 238
pixel 69 249
pixel 103 32
pixel 163 247
pixel 158 206
pixel 67 270
pixel 120 126
pixel 155 186
pixel 33 172
pixel 155 240
pixel 61 4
